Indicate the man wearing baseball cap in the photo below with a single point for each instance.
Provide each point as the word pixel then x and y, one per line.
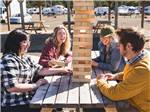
pixel 109 55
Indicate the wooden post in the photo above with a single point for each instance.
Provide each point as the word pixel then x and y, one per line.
pixel 22 13
pixel 82 40
pixel 116 14
pixel 68 15
pixel 142 16
pixel 39 4
pixel 109 11
pixel 7 3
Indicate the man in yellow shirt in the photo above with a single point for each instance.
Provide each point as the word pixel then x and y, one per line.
pixel 134 84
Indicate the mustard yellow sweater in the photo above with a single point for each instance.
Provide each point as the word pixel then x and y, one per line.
pixel 135 85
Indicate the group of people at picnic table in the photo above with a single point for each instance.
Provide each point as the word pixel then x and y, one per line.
pixel 121 52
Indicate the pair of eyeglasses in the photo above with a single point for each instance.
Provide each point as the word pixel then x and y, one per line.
pixel 25 42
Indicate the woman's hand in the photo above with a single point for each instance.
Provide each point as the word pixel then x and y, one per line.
pixel 41 82
pixel 52 62
pixel 94 63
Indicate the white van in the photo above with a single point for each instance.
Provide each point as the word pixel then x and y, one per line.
pixel 47 11
pixel 123 10
pixel 147 10
pixel 58 9
pixel 101 11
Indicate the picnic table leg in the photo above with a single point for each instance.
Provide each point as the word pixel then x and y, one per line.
pixel 110 109
pixel 42 26
pixel 78 109
pixel 34 28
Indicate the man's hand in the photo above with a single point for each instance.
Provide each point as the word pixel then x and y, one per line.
pixel 102 77
pixel 94 63
pixel 111 76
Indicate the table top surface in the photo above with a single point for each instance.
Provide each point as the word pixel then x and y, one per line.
pixel 62 92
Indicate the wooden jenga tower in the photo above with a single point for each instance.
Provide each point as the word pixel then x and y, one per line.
pixel 82 40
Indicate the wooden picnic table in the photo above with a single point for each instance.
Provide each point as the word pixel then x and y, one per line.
pixel 66 23
pixel 61 92
pixel 99 25
pixel 35 25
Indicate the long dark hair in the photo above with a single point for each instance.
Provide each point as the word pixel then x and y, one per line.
pixel 12 43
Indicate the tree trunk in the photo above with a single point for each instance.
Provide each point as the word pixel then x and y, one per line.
pixel 7 3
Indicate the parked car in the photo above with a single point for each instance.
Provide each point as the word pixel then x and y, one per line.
pixel 17 18
pixel 2 13
pixel 47 11
pixel 33 10
pixel 59 9
pixel 101 11
pixel 123 10
pixel 147 10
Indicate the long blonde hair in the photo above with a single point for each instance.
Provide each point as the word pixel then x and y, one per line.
pixel 65 47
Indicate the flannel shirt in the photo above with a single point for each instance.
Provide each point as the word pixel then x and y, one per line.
pixel 136 58
pixel 16 70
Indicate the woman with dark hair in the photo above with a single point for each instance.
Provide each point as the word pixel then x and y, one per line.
pixel 56 48
pixel 17 73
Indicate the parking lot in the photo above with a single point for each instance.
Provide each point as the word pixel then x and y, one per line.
pixel 52 21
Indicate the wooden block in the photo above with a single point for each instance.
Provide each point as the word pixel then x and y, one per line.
pixel 81 73
pixel 83 16
pixel 84 8
pixel 82 54
pixel 87 32
pixel 83 45
pixel 85 79
pixel 84 62
pixel 89 35
pixel 82 39
pixel 86 69
pixel 89 12
pixel 83 4
pixel 85 19
pixel 82 28
pixel 81 50
pixel 81 65
pixel 82 24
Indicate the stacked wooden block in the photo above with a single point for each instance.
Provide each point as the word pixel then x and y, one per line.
pixel 82 40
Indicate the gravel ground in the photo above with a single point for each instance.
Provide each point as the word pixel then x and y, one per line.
pixel 50 22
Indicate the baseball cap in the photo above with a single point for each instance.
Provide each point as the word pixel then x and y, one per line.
pixel 107 31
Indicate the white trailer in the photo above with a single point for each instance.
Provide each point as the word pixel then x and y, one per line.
pixel 14 9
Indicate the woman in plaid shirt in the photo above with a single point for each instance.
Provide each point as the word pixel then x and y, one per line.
pixel 17 73
pixel 56 48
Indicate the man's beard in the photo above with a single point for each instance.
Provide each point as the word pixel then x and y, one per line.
pixel 124 52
